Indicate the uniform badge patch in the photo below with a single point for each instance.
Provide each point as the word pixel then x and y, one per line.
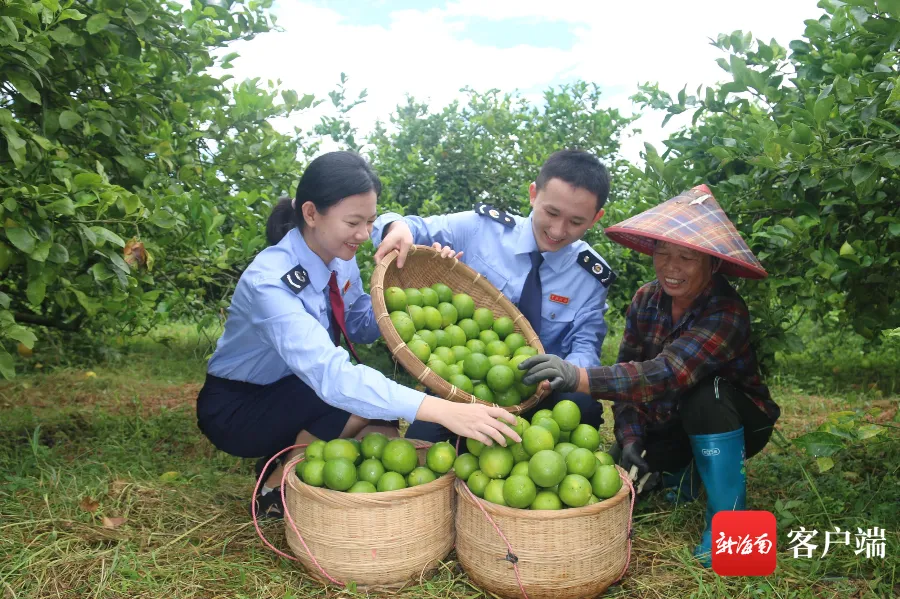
pixel 296 278
pixel 596 267
pixel 496 215
pixel 559 299
pixel 346 287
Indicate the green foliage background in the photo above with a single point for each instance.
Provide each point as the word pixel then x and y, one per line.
pixel 136 177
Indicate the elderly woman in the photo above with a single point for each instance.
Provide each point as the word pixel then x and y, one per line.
pixel 686 386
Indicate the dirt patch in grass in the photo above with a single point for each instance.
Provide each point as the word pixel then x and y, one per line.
pixel 81 391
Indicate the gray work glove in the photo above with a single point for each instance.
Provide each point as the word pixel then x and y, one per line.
pixel 631 456
pixel 563 376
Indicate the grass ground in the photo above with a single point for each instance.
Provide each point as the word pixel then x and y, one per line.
pixel 107 489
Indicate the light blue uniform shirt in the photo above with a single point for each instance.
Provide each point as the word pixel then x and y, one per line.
pixel 279 324
pixel 497 246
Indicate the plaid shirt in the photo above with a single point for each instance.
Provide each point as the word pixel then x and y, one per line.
pixel 658 362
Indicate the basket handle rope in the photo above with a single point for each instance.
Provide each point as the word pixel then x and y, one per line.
pixel 259 532
pixel 511 556
pixel 288 466
pixel 627 480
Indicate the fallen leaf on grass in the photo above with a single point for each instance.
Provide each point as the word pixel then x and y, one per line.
pixel 88 504
pixel 169 477
pixel 113 523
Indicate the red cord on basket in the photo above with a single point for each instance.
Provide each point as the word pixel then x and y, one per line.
pixel 287 513
pixel 509 548
pixel 627 480
pixel 287 468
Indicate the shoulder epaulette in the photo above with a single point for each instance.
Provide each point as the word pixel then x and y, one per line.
pixel 494 214
pixel 296 278
pixel 594 265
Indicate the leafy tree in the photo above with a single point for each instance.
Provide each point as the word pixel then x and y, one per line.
pixel 491 147
pixel 134 179
pixel 801 147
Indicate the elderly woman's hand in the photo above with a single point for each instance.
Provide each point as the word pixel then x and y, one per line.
pixel 563 376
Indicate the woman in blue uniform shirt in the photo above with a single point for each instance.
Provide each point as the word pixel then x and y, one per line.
pixel 279 375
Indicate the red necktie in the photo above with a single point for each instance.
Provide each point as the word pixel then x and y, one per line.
pixel 339 325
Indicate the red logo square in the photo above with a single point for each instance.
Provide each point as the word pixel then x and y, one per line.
pixel 744 543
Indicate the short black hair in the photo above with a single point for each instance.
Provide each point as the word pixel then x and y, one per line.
pixel 579 169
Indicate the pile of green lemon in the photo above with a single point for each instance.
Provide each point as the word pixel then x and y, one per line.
pixel 375 464
pixel 558 464
pixel 463 344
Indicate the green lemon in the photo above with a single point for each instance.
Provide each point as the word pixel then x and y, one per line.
pixel 456 334
pixel 575 490
pixel 421 476
pixel 445 355
pixel 484 393
pixel 470 328
pixel 391 481
pixel 525 351
pixel 462 381
pixel 420 349
pixel 444 293
pixel 493 492
pixel 478 482
pixel 414 297
pixel 487 335
pixel 508 398
pixel 484 318
pixel 464 304
pixel 404 325
pixel 514 341
pixel 395 299
pixel 428 337
pixel 476 366
pixel 433 318
pixel 417 314
pixel 465 465
pixel 476 346
pixel 519 491
pixel 500 378
pixel 503 326
pixel 370 470
pixel 372 445
pixel 449 315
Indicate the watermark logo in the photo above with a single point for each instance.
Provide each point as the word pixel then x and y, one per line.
pixel 870 541
pixel 744 543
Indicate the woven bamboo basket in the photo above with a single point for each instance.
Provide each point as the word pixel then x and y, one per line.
pixel 380 541
pixel 424 267
pixel 574 553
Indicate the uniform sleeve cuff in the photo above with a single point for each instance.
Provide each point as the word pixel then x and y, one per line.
pixel 380 223
pixel 407 402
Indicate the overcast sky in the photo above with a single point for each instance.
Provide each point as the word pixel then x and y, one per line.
pixel 431 48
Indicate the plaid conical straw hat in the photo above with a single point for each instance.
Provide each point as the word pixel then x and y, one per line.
pixel 693 220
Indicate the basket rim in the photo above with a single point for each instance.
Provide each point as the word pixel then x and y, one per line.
pixel 379 499
pixel 571 512
pixel 408 360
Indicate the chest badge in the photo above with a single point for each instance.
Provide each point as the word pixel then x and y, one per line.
pixel 346 287
pixel 559 299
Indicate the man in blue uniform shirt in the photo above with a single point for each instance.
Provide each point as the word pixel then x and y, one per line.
pixel 539 262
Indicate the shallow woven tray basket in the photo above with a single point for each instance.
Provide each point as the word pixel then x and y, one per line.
pixel 574 553
pixel 425 267
pixel 377 540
